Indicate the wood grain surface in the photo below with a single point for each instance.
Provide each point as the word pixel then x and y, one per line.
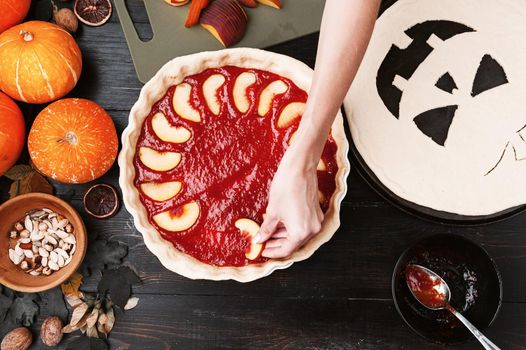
pixel 338 299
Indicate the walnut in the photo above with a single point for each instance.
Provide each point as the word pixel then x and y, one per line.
pixel 51 331
pixel 66 19
pixel 18 339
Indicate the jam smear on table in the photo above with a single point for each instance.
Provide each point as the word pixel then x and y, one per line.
pixel 227 165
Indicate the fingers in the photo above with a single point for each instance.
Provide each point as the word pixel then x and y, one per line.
pixel 280 248
pixel 267 229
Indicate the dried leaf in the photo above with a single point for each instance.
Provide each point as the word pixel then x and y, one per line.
pixel 55 304
pixel 13 189
pixel 103 254
pixel 101 324
pixel 78 313
pixel 24 309
pixel 117 283
pixel 132 302
pixel 92 319
pixel 17 309
pixel 18 172
pixel 36 183
pixel 92 332
pixel 71 286
pixel 86 343
pixel 5 305
pixel 80 324
pixel 108 325
pixel 73 301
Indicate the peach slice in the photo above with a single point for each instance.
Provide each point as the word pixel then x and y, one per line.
pixel 181 103
pixel 177 2
pixel 161 191
pixel 272 3
pixel 184 217
pixel 291 112
pixel 159 161
pixel 243 81
pixel 266 97
pixel 210 87
pixel 250 228
pixel 168 133
pixel 321 165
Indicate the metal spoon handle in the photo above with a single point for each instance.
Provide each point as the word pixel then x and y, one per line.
pixel 486 343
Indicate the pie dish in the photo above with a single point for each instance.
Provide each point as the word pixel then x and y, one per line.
pixel 202 145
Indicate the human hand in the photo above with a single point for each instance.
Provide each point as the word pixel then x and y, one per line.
pixel 293 213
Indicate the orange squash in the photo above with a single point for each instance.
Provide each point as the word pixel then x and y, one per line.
pixel 13 12
pixel 73 140
pixel 39 62
pixel 12 133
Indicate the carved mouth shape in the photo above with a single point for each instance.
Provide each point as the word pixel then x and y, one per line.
pixel 517 145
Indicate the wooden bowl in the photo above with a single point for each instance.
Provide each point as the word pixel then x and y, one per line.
pixel 14 210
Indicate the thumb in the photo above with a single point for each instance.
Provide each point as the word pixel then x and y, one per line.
pixel 267 229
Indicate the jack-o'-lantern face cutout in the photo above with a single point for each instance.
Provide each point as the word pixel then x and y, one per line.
pixel 440 97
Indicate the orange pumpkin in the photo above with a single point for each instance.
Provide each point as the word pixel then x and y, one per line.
pixel 39 62
pixel 73 141
pixel 13 12
pixel 12 133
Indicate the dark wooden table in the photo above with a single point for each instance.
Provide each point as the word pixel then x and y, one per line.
pixel 340 298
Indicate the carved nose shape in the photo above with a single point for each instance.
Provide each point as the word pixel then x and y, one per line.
pixel 435 123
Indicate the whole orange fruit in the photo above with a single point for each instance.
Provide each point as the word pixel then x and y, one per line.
pixel 73 141
pixel 39 62
pixel 12 132
pixel 13 12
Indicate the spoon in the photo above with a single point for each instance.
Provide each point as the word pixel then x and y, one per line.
pixel 433 292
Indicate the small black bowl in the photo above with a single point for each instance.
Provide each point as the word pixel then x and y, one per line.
pixel 472 276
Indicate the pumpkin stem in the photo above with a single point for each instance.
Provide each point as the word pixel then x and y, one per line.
pixel 28 36
pixel 70 137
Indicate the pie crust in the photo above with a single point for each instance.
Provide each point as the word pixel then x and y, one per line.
pixel 172 74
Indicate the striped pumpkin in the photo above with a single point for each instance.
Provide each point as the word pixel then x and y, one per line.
pixel 39 62
pixel 13 12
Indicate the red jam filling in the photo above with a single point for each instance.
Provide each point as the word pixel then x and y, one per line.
pixel 226 166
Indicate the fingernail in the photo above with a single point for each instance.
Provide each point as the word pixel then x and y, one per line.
pixel 257 238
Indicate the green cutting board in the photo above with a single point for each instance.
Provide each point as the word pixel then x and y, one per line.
pixel 267 26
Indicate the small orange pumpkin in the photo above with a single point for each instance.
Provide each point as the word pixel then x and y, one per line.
pixel 73 140
pixel 13 12
pixel 39 62
pixel 12 133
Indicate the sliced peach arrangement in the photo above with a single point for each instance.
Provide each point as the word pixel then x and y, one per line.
pixel 210 92
pixel 182 219
pixel 268 94
pixel 250 229
pixel 181 103
pixel 168 133
pixel 243 81
pixel 161 191
pixel 157 160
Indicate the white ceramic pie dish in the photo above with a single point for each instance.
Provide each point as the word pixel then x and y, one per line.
pixel 172 74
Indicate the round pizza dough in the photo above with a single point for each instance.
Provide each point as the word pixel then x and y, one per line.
pixel 437 108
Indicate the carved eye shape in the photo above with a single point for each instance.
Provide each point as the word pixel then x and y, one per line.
pixel 435 123
pixel 446 83
pixel 490 74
